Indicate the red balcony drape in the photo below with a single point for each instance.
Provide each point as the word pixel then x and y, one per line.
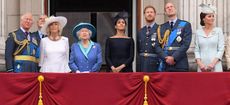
pixel 115 89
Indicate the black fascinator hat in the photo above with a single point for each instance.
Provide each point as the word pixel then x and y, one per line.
pixel 121 15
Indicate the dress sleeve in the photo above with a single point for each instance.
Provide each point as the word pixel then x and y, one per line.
pixel 96 67
pixel 67 51
pixel 107 53
pixel 67 56
pixel 220 47
pixel 73 66
pixel 197 47
pixel 131 53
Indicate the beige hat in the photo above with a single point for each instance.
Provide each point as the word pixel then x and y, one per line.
pixel 60 19
pixel 207 8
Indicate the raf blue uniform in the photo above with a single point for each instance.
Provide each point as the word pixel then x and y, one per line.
pixel 38 36
pixel 178 42
pixel 147 60
pixel 22 52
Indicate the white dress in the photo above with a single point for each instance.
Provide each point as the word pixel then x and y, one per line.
pixel 209 47
pixel 54 55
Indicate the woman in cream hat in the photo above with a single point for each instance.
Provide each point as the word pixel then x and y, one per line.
pixel 209 42
pixel 54 49
pixel 85 54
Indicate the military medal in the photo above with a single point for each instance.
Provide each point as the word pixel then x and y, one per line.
pixel 153 37
pixel 33 52
pixel 178 39
pixel 178 31
pixel 18 66
pixel 147 33
pixel 34 41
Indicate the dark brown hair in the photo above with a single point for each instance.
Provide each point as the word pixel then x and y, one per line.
pixel 202 16
pixel 118 18
pixel 149 6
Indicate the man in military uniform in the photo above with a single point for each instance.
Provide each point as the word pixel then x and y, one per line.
pixel 147 60
pixel 38 34
pixel 174 38
pixel 22 48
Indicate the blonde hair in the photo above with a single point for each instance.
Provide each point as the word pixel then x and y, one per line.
pixel 59 29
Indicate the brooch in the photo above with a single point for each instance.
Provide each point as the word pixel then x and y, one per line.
pixel 178 39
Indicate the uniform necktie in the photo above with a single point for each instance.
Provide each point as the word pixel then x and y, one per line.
pixel 148 30
pixel 26 33
pixel 171 25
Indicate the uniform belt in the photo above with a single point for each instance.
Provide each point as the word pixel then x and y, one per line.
pixel 148 54
pixel 172 48
pixel 26 58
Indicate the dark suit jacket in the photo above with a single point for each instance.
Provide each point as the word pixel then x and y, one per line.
pixel 179 55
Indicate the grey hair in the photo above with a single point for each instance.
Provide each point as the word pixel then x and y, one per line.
pixel 78 33
pixel 24 15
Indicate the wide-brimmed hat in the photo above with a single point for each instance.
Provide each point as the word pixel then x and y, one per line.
pixel 84 25
pixel 60 19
